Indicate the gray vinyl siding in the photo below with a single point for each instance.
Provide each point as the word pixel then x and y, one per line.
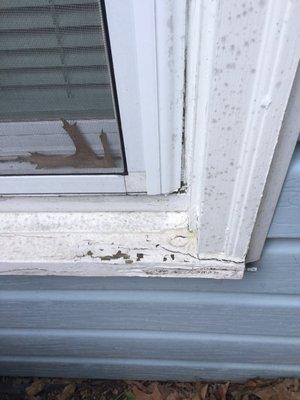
pixel 286 220
pixel 163 328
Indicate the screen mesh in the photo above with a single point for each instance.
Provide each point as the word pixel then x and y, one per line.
pixel 54 67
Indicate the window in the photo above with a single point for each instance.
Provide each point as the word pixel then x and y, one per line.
pixel 83 104
pixel 55 68
pixel 234 105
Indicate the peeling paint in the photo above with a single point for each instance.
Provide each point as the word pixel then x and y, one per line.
pixel 65 247
pixel 139 256
pixel 115 256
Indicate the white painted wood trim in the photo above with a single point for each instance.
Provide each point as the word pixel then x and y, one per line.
pixel 287 140
pixel 147 244
pixel 242 60
pixel 160 45
pixel 210 269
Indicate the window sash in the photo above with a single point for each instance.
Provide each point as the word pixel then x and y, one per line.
pixel 148 59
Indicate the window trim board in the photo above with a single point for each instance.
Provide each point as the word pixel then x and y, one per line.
pixel 234 115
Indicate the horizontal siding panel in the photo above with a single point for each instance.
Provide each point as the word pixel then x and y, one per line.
pixel 165 311
pixel 153 345
pixel 141 369
pixel 286 220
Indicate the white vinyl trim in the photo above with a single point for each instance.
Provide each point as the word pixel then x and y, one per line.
pixel 120 20
pixel 57 184
pixel 160 45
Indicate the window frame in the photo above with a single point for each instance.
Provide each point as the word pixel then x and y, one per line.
pixel 149 83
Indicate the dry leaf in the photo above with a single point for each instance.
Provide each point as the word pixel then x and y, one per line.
pixel 150 392
pixel 84 155
pixel 68 392
pixel 138 384
pixel 202 390
pixel 276 391
pixel 35 388
pixel 252 383
pixel 222 391
pixel 173 396
pixel 140 395
pixel 280 389
pixel 246 397
pixel 156 394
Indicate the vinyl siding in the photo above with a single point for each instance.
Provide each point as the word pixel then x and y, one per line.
pixel 286 220
pixel 163 328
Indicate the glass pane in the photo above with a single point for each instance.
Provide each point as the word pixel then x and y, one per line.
pixel 57 103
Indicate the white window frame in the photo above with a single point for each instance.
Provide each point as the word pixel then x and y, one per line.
pixel 206 231
pixel 148 51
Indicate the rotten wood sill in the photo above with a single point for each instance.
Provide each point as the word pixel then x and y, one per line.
pixel 144 244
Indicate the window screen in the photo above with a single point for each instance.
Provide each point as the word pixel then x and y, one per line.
pixel 58 106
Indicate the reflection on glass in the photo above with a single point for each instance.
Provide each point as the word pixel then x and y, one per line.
pixel 57 108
